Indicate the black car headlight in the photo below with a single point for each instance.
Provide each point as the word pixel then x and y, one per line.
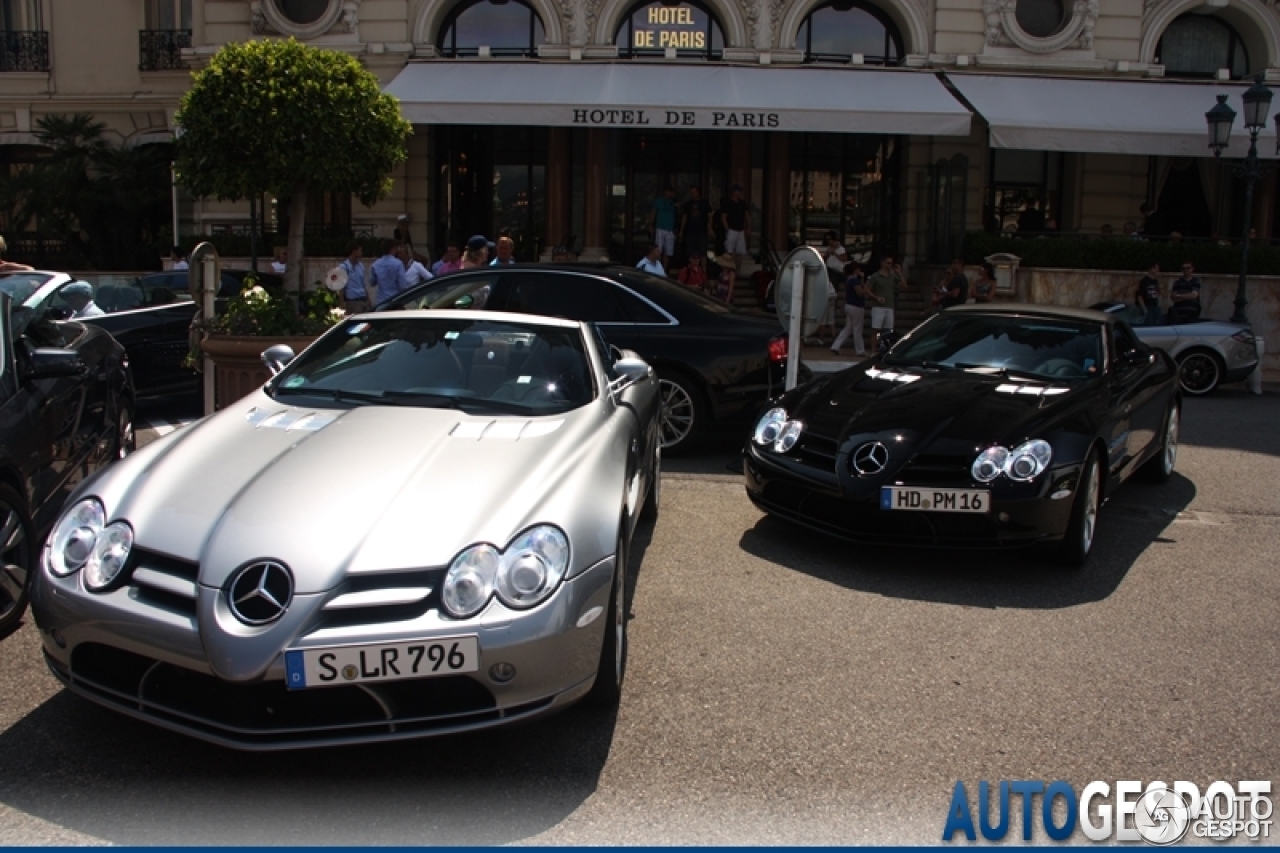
pixel 775 429
pixel 1022 464
pixel 82 540
pixel 522 575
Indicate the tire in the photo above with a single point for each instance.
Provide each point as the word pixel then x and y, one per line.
pixel 126 440
pixel 17 559
pixel 1159 468
pixel 1081 529
pixel 649 512
pixel 685 413
pixel 1200 371
pixel 607 691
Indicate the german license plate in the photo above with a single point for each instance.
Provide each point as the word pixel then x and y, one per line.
pixel 935 500
pixel 329 667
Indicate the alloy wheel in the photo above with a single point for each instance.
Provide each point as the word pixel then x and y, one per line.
pixel 1171 442
pixel 678 415
pixel 1090 498
pixel 1199 373
pixel 15 562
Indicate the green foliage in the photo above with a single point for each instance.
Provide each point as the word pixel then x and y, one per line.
pixel 1120 253
pixel 259 310
pixel 279 116
pixel 106 204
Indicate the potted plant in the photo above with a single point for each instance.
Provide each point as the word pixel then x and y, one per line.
pixel 255 319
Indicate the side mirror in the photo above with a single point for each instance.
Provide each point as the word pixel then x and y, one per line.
pixel 630 371
pixel 276 357
pixel 53 363
pixel 1137 358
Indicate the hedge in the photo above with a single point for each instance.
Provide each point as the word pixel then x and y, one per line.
pixel 1120 253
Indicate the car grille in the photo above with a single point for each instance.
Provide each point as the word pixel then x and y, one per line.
pixel 265 715
pixel 816 451
pixel 168 583
pixel 949 471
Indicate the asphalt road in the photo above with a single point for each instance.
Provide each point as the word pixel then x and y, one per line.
pixel 782 688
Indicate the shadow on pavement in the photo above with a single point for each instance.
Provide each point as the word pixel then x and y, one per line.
pixel 1234 419
pixel 1025 578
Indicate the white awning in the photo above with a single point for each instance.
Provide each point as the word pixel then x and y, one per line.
pixel 693 97
pixel 1106 116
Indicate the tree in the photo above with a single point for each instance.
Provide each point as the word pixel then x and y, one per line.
pixel 281 117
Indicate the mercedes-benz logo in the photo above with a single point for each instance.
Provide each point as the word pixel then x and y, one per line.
pixel 260 593
pixel 870 458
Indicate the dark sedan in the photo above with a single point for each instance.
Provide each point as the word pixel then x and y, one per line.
pixel 715 364
pixel 66 409
pixel 985 426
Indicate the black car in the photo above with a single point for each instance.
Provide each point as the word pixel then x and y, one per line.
pixel 715 364
pixel 66 409
pixel 984 426
pixel 150 316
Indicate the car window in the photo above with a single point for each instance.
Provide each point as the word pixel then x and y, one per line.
pixel 1127 340
pixel 472 292
pixel 603 350
pixel 640 310
pixel 575 297
pixel 1052 348
pixel 21 286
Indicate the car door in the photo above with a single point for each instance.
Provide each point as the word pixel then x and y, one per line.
pixel 1135 401
pixel 637 403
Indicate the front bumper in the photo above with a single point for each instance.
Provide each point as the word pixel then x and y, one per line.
pixel 1023 515
pixel 141 655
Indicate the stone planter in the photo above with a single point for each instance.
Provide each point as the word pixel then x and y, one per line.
pixel 237 362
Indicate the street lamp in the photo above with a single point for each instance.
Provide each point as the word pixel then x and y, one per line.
pixel 1257 103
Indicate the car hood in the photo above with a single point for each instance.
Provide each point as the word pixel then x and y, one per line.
pixel 942 412
pixel 332 492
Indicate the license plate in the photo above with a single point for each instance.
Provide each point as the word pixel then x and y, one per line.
pixel 381 662
pixel 935 500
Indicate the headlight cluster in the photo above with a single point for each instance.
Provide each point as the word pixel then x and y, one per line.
pixel 523 574
pixel 1025 462
pixel 774 429
pixel 82 540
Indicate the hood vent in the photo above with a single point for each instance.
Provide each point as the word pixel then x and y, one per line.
pixel 509 430
pixel 289 419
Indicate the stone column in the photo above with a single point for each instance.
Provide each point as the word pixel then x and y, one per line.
pixel 778 180
pixel 595 203
pixel 559 186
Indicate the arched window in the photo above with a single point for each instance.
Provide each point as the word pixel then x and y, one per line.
pixel 838 31
pixel 1198 45
pixel 506 27
pixel 651 28
pixel 302 11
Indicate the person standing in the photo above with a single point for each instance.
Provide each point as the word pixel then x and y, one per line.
pixel 506 253
pixel 957 292
pixel 1031 220
pixel 79 298
pixel 662 221
pixel 355 295
pixel 450 261
pixel 984 289
pixel 476 253
pixel 855 305
pixel 882 291
pixel 695 224
pixel 388 273
pixel 1148 297
pixel 414 271
pixel 836 259
pixel 1185 296
pixel 735 218
pixel 281 260
pixel 179 260
pixel 652 261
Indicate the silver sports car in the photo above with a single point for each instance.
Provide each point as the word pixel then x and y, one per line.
pixel 419 525
pixel 1208 352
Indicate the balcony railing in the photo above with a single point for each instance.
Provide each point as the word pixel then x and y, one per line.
pixel 24 50
pixel 161 50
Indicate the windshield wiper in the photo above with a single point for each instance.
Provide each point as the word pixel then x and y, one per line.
pixel 1000 370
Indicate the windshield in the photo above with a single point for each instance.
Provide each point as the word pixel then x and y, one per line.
pixel 21 286
pixel 446 362
pixel 1052 349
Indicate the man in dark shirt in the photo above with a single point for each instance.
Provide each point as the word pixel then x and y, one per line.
pixel 1031 220
pixel 695 224
pixel 735 218
pixel 1185 296
pixel 1148 296
pixel 957 286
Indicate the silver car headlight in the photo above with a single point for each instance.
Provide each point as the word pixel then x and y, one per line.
pixel 110 553
pixel 989 464
pixel 75 537
pixel 468 585
pixel 1027 461
pixel 770 427
pixel 532 566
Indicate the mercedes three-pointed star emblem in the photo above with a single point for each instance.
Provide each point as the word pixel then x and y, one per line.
pixel 260 593
pixel 870 458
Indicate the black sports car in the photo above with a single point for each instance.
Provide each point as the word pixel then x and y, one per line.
pixel 66 409
pixel 714 363
pixel 984 426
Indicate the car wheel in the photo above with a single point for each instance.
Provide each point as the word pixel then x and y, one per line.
pixel 649 512
pixel 125 440
pixel 684 413
pixel 1078 542
pixel 1199 372
pixel 16 563
pixel 1160 467
pixel 607 691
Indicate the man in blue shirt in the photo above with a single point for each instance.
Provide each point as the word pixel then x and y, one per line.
pixel 355 295
pixel 506 250
pixel 388 273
